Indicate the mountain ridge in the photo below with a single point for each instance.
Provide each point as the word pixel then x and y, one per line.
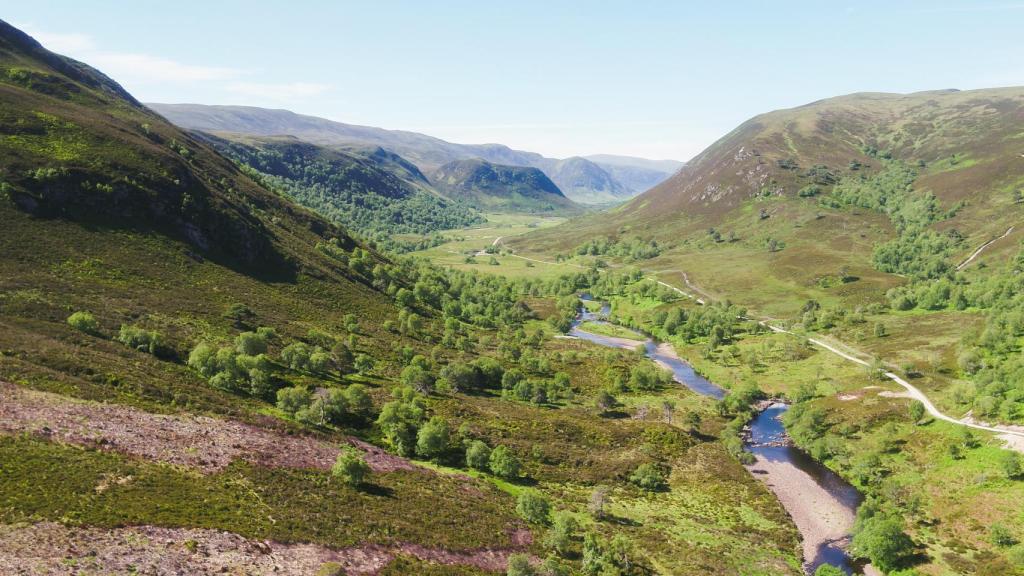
pixel 427 152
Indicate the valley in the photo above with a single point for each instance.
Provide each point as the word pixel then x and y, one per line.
pixel 243 340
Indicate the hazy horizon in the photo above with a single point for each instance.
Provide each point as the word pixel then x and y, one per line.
pixel 653 80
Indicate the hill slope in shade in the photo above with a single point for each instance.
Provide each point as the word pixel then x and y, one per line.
pixel 501 188
pixel 427 152
pixel 372 191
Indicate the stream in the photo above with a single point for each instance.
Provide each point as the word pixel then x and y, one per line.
pixel 822 504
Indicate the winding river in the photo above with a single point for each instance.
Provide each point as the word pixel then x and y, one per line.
pixel 821 504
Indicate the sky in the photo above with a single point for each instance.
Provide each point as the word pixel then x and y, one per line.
pixel 642 78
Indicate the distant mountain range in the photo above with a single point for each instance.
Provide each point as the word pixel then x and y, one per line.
pixel 601 179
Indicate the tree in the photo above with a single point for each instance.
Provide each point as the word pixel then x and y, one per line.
pixel 598 500
pixel 460 377
pixel 342 356
pixel 351 468
pixel 250 344
pixel 478 455
pixel 563 529
pixel 296 356
pixel 519 565
pixel 291 400
pixel 84 322
pixel 239 314
pixel 605 401
pixel 648 477
pixel 882 541
pixel 504 463
pixel 319 360
pixel 203 359
pixel 417 377
pixel 358 400
pixel 432 439
pixel 364 363
pixel 533 507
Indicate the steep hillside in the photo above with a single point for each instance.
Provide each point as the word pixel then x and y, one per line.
pixel 501 188
pixel 962 143
pixel 372 191
pixel 586 182
pixel 776 199
pixel 589 182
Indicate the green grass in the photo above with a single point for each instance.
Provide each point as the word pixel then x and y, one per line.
pixel 606 329
pixel 53 482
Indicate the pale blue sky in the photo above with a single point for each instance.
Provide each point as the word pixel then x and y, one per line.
pixel 656 79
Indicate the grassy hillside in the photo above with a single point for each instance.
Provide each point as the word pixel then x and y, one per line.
pixel 197 373
pixel 495 188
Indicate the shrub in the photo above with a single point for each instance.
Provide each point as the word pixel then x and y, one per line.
pixel 533 507
pixel 504 463
pixel 478 455
pixel 1010 463
pixel 649 477
pixel 829 570
pixel 519 565
pixel 916 410
pixel 351 468
pixel 84 322
pixel 1001 537
pixel 139 339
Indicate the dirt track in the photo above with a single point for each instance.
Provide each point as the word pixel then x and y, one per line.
pixel 208 444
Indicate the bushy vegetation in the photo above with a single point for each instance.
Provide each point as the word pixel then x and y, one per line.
pixel 84 322
pixel 917 251
pixel 139 338
pixel 631 248
pixel 351 190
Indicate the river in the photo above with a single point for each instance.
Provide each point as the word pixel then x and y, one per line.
pixel 821 504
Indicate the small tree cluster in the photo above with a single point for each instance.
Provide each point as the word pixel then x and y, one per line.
pixel 332 406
